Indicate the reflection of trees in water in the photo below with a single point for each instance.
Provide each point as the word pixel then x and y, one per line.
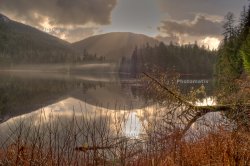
pixel 86 137
pixel 97 138
pixel 23 95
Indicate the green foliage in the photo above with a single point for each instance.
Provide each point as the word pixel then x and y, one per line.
pixel 245 53
pixel 233 59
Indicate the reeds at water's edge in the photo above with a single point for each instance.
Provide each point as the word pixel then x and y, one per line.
pixel 102 137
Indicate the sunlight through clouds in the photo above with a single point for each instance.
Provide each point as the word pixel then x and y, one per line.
pixel 198 19
pixel 211 42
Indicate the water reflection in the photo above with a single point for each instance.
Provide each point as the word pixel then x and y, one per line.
pixel 209 122
pixel 71 123
pixel 22 93
pixel 27 90
pixel 90 124
pixel 36 98
pixel 64 112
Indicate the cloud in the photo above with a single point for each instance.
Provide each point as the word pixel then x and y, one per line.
pixel 60 12
pixel 73 34
pixel 200 26
pixel 71 20
pixel 186 9
pixel 196 20
pixel 211 42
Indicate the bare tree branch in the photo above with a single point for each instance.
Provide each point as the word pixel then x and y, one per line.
pixel 193 112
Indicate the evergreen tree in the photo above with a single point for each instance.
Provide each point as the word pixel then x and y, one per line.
pixel 245 53
pixel 229 30
pixel 189 59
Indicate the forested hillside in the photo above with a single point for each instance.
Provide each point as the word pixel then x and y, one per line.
pixel 234 53
pixel 115 45
pixel 22 44
pixel 187 59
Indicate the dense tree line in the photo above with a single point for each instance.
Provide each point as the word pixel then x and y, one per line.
pixel 232 69
pixel 186 59
pixel 234 53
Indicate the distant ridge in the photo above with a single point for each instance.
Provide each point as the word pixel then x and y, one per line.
pixel 115 45
pixel 20 43
pixel 20 28
pixel 3 18
pixel 35 46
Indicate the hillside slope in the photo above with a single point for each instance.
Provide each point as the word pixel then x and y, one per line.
pixel 113 46
pixel 20 43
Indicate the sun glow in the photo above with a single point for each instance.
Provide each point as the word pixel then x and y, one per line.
pixel 211 42
pixel 46 25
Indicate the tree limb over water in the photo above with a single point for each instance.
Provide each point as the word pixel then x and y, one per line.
pixel 193 112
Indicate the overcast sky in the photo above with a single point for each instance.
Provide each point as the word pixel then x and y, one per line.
pixel 182 21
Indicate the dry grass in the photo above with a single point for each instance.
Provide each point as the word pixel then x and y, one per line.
pixel 98 139
pixel 49 147
pixel 222 148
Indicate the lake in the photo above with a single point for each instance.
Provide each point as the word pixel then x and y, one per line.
pixel 24 91
pixel 97 101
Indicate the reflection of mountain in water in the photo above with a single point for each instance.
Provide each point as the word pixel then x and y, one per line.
pixel 25 92
pixel 89 119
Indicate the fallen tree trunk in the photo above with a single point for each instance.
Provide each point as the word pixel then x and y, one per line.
pixel 203 109
pixel 199 111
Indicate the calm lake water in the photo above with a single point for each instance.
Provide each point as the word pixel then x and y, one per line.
pixel 31 98
pixel 25 92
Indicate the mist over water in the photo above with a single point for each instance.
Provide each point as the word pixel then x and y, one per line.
pixel 55 90
pixel 29 87
pixel 88 67
pixel 26 91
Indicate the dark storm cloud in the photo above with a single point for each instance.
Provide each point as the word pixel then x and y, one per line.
pixel 60 12
pixel 200 26
pixel 186 9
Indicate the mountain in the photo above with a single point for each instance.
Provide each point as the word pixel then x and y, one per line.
pixel 20 43
pixel 23 44
pixel 4 18
pixel 22 29
pixel 115 45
